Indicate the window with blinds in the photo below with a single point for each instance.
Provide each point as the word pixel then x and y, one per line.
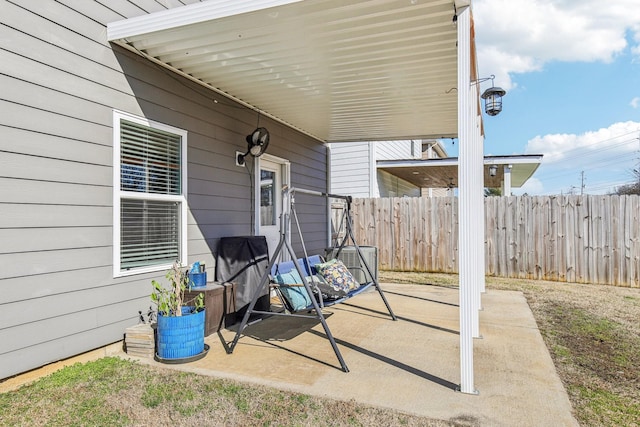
pixel 150 211
pixel 149 160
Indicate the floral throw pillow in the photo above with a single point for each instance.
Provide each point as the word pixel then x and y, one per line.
pixel 327 292
pixel 336 274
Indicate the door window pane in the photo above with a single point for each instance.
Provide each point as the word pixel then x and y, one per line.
pixel 267 197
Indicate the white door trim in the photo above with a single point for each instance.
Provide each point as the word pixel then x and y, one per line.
pixel 285 178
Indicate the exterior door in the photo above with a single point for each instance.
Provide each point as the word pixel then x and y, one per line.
pixel 273 174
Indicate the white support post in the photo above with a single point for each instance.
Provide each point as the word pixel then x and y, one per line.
pixel 481 201
pixel 467 200
pixel 476 171
pixel 479 223
pixel 506 182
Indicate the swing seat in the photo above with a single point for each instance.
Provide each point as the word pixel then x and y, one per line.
pixel 350 294
pixel 293 293
pixel 334 273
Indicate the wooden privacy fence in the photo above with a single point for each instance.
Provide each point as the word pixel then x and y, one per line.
pixel 585 239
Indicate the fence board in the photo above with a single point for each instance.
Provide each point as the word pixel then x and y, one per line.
pixel 573 238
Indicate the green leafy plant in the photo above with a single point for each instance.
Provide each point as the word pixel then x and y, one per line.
pixel 171 300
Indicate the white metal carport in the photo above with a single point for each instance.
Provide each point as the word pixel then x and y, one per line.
pixel 343 70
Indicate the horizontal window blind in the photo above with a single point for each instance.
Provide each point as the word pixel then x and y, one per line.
pixel 150 159
pixel 150 233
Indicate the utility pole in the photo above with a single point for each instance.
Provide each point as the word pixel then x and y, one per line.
pixel 582 183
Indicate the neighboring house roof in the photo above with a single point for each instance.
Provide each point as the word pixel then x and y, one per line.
pixel 443 172
pixel 337 71
pixel 437 148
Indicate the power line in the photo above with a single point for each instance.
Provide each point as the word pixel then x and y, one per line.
pixel 600 142
pixel 571 173
pixel 596 165
pixel 582 153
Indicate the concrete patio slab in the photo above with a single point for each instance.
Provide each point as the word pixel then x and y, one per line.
pixel 411 365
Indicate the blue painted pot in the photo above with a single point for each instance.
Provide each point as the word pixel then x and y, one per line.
pixel 181 336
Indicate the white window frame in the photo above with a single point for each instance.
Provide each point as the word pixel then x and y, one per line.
pixel 119 194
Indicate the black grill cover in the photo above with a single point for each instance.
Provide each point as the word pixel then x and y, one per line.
pixel 244 260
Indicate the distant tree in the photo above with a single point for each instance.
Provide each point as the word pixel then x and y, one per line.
pixel 628 189
pixel 633 188
pixel 492 192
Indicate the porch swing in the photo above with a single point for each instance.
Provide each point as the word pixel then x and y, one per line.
pixel 296 281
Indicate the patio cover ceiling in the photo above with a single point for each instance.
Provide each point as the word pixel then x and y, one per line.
pixel 443 173
pixel 337 70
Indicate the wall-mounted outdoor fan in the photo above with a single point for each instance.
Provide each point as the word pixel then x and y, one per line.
pixel 257 143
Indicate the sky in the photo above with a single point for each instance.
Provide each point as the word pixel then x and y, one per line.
pixel 571 69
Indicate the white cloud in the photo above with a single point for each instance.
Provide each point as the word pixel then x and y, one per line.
pixel 635 102
pixel 616 142
pixel 516 36
pixel 532 187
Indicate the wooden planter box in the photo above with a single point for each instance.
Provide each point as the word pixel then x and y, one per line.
pixel 220 305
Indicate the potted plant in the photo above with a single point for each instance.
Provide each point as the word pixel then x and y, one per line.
pixel 180 330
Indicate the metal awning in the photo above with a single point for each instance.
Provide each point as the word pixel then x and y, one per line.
pixel 443 172
pixel 342 70
pixel 337 70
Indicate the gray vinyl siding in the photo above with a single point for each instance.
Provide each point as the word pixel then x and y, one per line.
pixel 351 169
pixel 60 83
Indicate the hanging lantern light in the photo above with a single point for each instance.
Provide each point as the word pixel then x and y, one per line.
pixel 493 99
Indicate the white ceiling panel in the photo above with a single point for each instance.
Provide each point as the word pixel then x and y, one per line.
pixel 337 70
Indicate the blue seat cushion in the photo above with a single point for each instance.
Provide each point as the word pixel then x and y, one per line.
pixel 297 296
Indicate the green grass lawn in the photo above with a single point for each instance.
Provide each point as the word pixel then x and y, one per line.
pixel 116 392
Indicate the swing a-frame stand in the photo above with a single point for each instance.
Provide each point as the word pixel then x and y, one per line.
pixel 284 249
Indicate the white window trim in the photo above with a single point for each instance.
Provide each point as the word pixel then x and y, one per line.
pixel 118 194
